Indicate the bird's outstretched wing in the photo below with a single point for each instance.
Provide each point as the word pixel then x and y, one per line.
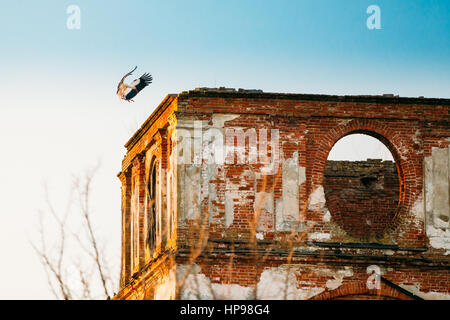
pixel 139 84
pixel 142 82
pixel 123 78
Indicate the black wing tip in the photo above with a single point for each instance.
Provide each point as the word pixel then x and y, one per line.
pixel 147 78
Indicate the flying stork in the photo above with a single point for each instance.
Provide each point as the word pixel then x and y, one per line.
pixel 128 92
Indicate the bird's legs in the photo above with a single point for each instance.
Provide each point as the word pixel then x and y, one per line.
pixel 121 91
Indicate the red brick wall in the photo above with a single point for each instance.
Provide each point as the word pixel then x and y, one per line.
pixel 309 126
pixel 402 124
pixel 362 196
pixel 310 273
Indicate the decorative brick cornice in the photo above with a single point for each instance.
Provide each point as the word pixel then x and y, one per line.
pixel 150 120
pixel 259 94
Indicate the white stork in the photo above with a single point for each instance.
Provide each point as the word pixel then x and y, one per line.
pixel 128 92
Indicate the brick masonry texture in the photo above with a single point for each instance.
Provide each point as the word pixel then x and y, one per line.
pixel 308 230
pixel 362 196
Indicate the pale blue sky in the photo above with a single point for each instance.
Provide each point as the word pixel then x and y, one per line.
pixel 59 112
pixel 297 46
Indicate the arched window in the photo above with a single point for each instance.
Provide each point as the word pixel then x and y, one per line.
pixel 153 223
pixel 362 185
pixel 134 229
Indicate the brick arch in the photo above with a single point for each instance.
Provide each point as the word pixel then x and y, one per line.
pixel 391 139
pixel 359 291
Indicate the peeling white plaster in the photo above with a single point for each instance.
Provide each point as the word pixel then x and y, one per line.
pixel 437 194
pixel 279 213
pixel 403 151
pixel 166 290
pixel 213 148
pixel 417 210
pixel 219 119
pixel 264 206
pixel 264 201
pixel 198 287
pixel 194 286
pixel 287 206
pixel 428 172
pixel 192 191
pixel 439 239
pixel 418 141
pixel 231 292
pixel 432 295
pixel 301 175
pixel 281 283
pixel 337 275
pixel 317 199
pixel 307 249
pixel 212 195
pixel 327 215
pixel 317 236
pixel 275 283
pixel 441 168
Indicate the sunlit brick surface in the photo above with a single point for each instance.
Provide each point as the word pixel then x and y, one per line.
pixel 232 230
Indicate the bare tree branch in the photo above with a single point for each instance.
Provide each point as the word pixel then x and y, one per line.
pixel 55 259
pixel 50 266
pixel 83 192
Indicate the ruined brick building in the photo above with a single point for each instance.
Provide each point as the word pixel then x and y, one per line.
pixel 228 194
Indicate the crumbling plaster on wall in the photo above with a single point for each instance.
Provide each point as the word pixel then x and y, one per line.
pixel 275 283
pixel 198 141
pixel 202 186
pixel 437 202
pixel 166 288
pixel 317 199
pixel 280 283
pixel 218 119
pixel 264 208
pixel 196 286
pixel 191 199
pixel 417 210
pixel 319 236
pixel 439 239
pixel 430 295
pixel 293 176
pixel 287 206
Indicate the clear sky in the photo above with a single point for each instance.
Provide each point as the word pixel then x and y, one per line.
pixel 59 112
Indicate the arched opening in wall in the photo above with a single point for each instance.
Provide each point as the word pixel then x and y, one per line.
pixel 152 217
pixel 134 223
pixel 362 185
